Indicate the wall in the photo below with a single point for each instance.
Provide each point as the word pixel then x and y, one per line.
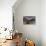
pixel 43 22
pixel 28 8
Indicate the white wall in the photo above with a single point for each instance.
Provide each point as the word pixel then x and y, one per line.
pixel 29 8
pixel 6 13
pixel 26 9
pixel 43 22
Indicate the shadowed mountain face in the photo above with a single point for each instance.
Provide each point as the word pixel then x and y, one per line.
pixel 29 19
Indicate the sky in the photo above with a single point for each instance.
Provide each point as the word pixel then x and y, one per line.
pixel 6 13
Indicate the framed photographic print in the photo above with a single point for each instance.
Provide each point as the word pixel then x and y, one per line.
pixel 29 19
